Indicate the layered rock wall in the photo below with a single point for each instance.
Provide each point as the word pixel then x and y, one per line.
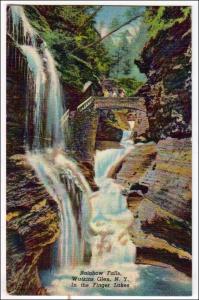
pixel 166 60
pixel 158 181
pixel 17 92
pixel 157 177
pixel 32 225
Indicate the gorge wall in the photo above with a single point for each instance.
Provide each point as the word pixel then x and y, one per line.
pixel 32 225
pixel 166 60
pixel 157 176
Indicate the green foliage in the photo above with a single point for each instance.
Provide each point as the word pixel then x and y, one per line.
pixel 114 24
pixel 69 28
pixel 121 58
pixel 130 85
pixel 125 45
pixel 163 17
pixel 37 20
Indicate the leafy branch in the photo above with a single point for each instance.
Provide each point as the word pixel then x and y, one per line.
pixel 108 34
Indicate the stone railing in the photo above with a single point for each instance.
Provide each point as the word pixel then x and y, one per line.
pixel 136 103
pixel 85 104
pixel 120 103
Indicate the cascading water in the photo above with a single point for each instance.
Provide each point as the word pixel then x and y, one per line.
pixel 36 66
pixel 104 219
pixel 20 24
pixel 111 218
pixel 49 167
pixel 113 251
pixel 48 143
pixel 48 99
pixel 54 104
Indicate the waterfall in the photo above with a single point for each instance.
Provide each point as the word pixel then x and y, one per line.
pixel 35 64
pixel 46 151
pixel 106 158
pixel 48 98
pixel 54 104
pixel 107 223
pixel 52 107
pixel 70 246
pixel 19 19
pixel 111 218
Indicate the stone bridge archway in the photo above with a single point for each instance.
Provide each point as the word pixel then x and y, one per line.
pixel 85 128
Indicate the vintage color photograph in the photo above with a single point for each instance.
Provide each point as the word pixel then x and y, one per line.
pixel 98 150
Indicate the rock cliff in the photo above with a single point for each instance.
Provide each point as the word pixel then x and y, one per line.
pixel 32 225
pixel 157 177
pixel 166 60
pixel 158 181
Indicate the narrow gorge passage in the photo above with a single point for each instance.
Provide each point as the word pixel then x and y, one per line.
pixel 112 268
pixel 95 253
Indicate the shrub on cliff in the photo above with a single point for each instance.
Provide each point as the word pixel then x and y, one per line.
pixel 66 30
pixel 163 17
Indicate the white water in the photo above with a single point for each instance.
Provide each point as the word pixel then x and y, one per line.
pixel 48 99
pixel 46 152
pixel 109 222
pixel 111 218
pixel 54 104
pixel 36 66
pixel 19 18
pixel 48 168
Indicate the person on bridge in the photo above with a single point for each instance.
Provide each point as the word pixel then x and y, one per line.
pixel 122 93
pixel 106 93
pixel 110 93
pixel 115 92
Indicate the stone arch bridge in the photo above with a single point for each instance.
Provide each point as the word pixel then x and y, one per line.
pixel 83 129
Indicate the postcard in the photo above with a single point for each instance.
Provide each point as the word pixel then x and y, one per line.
pixel 98 172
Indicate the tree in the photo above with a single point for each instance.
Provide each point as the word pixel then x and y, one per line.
pixel 99 40
pixel 65 28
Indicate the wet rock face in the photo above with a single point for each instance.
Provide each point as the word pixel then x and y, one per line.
pixel 166 61
pixel 112 122
pixel 162 229
pixel 15 100
pixel 107 128
pixel 32 225
pixel 158 183
pixel 89 173
pixel 135 165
